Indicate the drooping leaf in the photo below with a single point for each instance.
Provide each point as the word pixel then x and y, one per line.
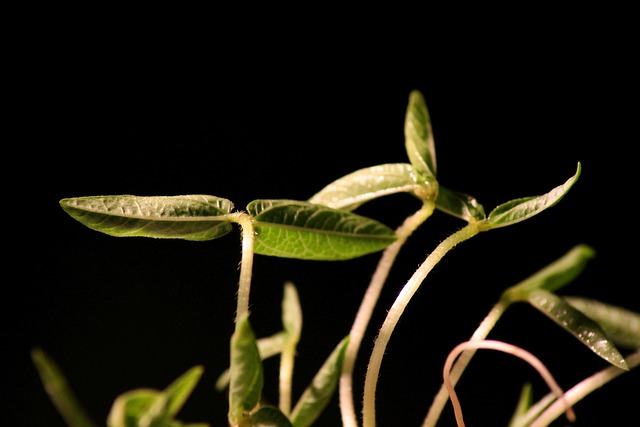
pixel 418 136
pixel 246 381
pixel 366 184
pixel 580 326
pixel 317 395
pixel 459 205
pixel 303 230
pixel 179 391
pixel 190 217
pixel 59 391
pixel 621 325
pixel 555 275
pixel 269 416
pixel 524 208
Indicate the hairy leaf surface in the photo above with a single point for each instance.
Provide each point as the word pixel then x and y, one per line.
pixel 191 217
pixel 418 136
pixel 303 230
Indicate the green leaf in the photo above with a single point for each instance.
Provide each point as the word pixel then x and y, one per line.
pixel 418 136
pixel 317 395
pixel 554 276
pixel 459 205
pixel 192 217
pixel 269 416
pixel 303 230
pixel 366 184
pixel 620 324
pixel 178 391
pixel 246 379
pixel 291 313
pixel 134 407
pixel 584 329
pixel 521 209
pixel 59 392
pixel 524 403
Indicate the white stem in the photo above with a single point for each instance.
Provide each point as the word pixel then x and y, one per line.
pixel 246 264
pixel 506 348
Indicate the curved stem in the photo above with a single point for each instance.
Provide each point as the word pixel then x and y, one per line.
pixel 393 316
pixel 366 309
pixel 246 264
pixel 462 362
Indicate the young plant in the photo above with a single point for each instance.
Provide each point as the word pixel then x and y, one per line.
pixel 326 228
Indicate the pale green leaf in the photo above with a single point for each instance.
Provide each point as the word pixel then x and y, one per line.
pixel 621 325
pixel 303 230
pixel 269 416
pixel 317 395
pixel 130 409
pixel 190 217
pixel 459 205
pixel 583 328
pixel 366 184
pixel 524 402
pixel 418 136
pixel 524 208
pixel 291 313
pixel 246 381
pixel 178 391
pixel 57 387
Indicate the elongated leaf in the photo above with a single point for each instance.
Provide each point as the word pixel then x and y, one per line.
pixel 269 416
pixel 192 217
pixel 303 230
pixel 366 184
pixel 524 403
pixel 586 330
pixel 459 205
pixel 521 209
pixel 620 324
pixel 317 395
pixel 418 136
pixel 554 276
pixel 59 392
pixel 179 390
pixel 291 313
pixel 246 380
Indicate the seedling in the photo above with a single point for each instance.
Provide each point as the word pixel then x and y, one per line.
pixel 327 227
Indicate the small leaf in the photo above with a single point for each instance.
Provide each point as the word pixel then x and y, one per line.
pixel 579 325
pixel 554 276
pixel 317 395
pixel 291 313
pixel 620 324
pixel 524 403
pixel 178 391
pixel 269 416
pixel 246 379
pixel 459 205
pixel 521 209
pixel 59 392
pixel 131 408
pixel 193 217
pixel 370 183
pixel 418 136
pixel 303 230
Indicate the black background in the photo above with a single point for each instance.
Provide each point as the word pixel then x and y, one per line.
pixel 248 108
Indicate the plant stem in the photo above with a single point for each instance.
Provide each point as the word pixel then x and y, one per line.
pixel 393 316
pixel 462 362
pixel 246 264
pixel 584 388
pixel 366 309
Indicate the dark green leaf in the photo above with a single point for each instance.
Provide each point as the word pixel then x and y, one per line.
pixel 620 324
pixel 579 325
pixel 59 391
pixel 246 381
pixel 521 209
pixel 366 184
pixel 317 395
pixel 418 136
pixel 459 205
pixel 192 217
pixel 269 416
pixel 303 230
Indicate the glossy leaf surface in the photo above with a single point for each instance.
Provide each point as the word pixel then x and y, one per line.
pixel 317 395
pixel 459 204
pixel 579 325
pixel 366 184
pixel 303 230
pixel 418 136
pixel 621 325
pixel 246 376
pixel 524 208
pixel 191 217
